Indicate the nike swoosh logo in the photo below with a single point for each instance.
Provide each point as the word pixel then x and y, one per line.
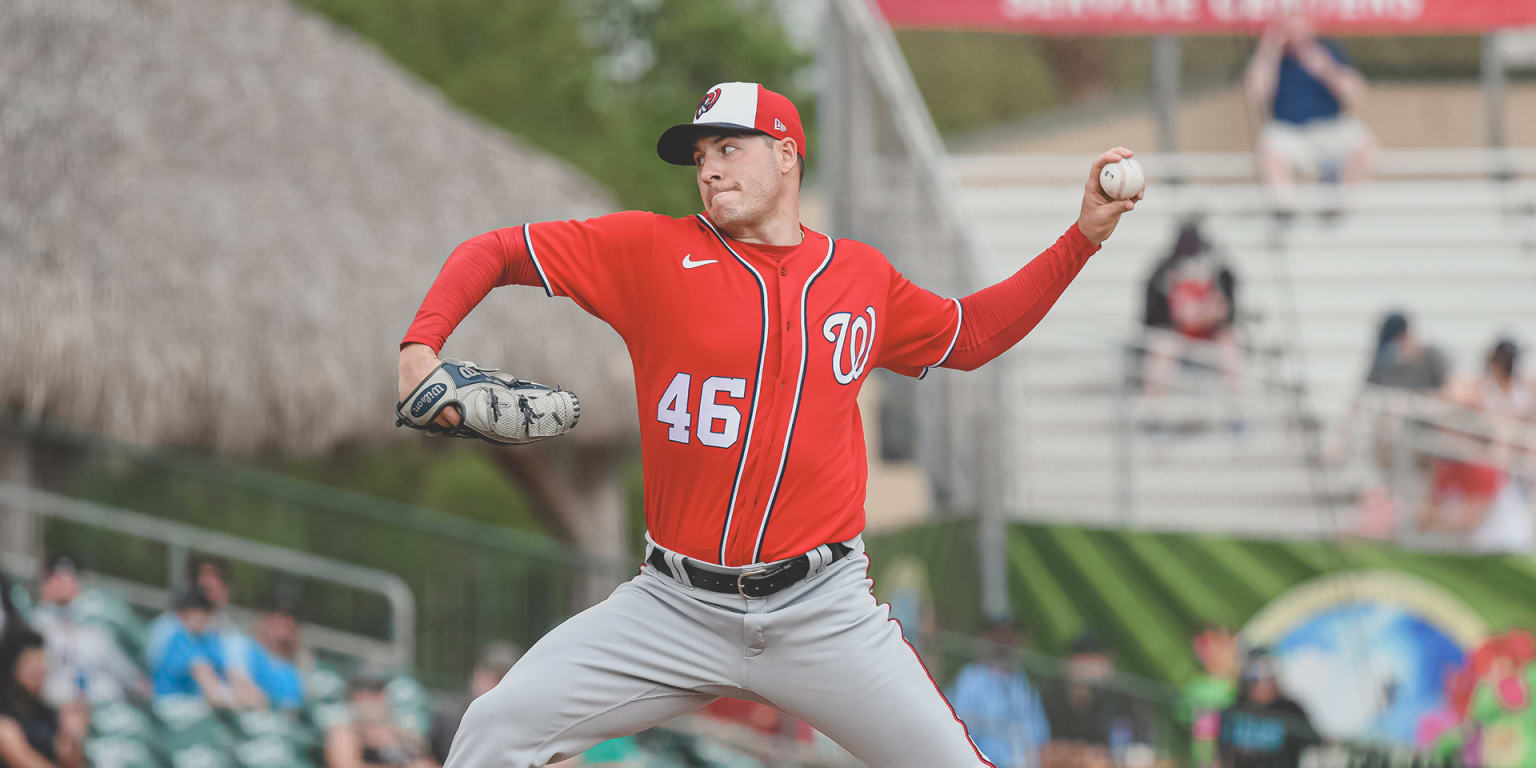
pixel 689 263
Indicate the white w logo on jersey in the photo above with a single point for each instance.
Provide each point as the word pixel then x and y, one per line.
pixel 838 329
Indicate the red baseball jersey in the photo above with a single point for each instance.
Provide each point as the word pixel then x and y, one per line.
pixel 748 363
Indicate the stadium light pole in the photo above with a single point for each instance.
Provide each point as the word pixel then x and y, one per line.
pixel 1495 87
pixel 991 528
pixel 1165 91
pixel 19 528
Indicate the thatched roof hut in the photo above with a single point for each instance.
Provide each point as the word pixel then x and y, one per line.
pixel 217 218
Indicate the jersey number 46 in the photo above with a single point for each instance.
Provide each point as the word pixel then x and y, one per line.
pixel 719 423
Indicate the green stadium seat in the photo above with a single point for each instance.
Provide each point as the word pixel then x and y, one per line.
pixel 95 606
pixel 265 723
pixel 120 719
pixel 120 753
pixel 106 608
pixel 256 725
pixel 325 714
pixel 22 599
pixel 200 756
pixel 179 712
pixel 325 684
pixel 269 752
pixel 622 751
pixel 405 693
pixel 210 733
pixel 190 722
pixel 411 702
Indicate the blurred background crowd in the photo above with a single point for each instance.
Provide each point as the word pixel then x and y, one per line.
pixel 1258 492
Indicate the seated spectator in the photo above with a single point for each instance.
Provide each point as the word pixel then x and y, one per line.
pixel 373 735
pixel 1473 496
pixel 997 703
pixel 191 660
pixel 1509 399
pixel 33 734
pixel 1401 361
pixel 271 660
pixel 1090 722
pixel 209 575
pixel 84 662
pixel 1311 95
pixel 495 660
pixel 1209 693
pixel 1264 729
pixel 1191 307
pixel 1500 390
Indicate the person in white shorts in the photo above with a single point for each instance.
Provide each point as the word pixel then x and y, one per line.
pixel 1312 96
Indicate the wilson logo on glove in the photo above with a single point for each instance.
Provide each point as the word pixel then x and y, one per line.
pixel 427 399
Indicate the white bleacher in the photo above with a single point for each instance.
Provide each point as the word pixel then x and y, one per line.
pixel 1448 236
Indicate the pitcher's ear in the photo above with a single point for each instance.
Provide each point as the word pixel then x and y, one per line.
pixel 789 154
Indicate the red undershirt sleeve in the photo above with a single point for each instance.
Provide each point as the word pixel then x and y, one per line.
pixel 479 264
pixel 997 317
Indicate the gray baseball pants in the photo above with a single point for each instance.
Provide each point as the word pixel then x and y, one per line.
pixel 821 650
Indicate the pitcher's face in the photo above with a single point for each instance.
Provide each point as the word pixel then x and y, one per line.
pixel 740 177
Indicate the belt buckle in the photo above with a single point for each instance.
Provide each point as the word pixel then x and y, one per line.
pixel 741 580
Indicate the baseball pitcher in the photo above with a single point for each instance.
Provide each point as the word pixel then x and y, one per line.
pixel 750 336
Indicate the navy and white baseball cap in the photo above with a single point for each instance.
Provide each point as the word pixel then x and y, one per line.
pixel 736 107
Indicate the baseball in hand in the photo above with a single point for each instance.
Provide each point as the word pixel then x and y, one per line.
pixel 1123 180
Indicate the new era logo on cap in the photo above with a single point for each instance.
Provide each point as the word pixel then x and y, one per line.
pixel 733 106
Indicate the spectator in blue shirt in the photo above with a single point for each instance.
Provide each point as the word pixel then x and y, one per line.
pixel 999 706
pixel 1311 94
pixel 270 658
pixel 191 659
pixel 209 575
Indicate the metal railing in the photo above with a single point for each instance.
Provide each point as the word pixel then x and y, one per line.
pixel 1242 167
pixel 1382 438
pixel 1406 435
pixel 473 583
pixel 1120 403
pixel 180 541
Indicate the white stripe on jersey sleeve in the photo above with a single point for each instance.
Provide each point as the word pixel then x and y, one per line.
pixel 959 320
pixel 528 243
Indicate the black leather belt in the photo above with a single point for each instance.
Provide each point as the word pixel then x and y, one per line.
pixel 761 582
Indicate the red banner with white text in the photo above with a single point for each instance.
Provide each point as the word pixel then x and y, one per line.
pixel 1136 17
